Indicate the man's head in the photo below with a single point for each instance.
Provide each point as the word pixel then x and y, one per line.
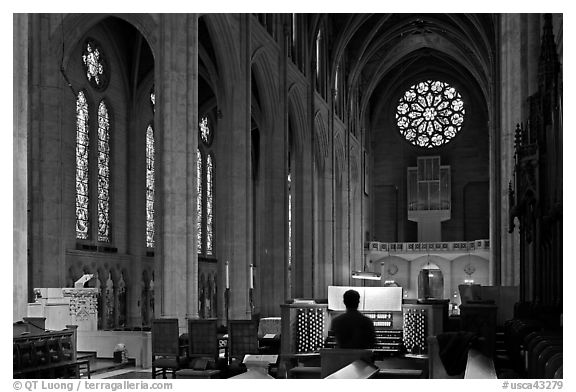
pixel 351 299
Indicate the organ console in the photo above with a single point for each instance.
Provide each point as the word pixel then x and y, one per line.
pixel 401 326
pixel 414 338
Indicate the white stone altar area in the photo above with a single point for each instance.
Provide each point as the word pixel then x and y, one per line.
pixel 67 306
pixel 79 306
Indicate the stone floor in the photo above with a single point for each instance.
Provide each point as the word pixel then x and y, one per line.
pixel 106 368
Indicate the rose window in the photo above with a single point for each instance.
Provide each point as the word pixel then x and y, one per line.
pixel 430 114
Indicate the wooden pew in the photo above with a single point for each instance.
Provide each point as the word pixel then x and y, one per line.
pixel 47 354
pixel 478 365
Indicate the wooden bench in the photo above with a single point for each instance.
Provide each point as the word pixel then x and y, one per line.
pixel 47 354
pixel 74 369
pixel 478 365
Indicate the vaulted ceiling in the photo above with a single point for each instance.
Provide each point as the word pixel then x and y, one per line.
pixel 384 52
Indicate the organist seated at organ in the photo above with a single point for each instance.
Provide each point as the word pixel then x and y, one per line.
pixel 352 329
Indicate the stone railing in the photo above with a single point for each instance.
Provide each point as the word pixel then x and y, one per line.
pixel 411 247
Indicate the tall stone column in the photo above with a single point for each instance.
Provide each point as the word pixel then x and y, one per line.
pixel 303 170
pixel 176 119
pixel 46 100
pixel 328 242
pixel 341 239
pixel 20 167
pixel 356 237
pixel 192 163
pixel 322 256
pixel 274 264
pixel 303 225
pixel 236 169
pixel 519 37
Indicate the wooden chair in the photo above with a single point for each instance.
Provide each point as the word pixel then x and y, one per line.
pixel 165 347
pixel 203 349
pixel 243 338
pixel 269 329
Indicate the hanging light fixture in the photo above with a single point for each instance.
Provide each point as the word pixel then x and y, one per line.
pixel 366 275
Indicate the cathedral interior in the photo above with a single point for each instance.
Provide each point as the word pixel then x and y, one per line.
pixel 174 171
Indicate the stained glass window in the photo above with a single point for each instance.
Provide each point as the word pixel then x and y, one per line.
pixel 199 199
pixel 103 173
pixel 150 170
pixel 150 187
pixel 205 204
pixel 318 59
pixel 209 185
pixel 82 150
pixel 205 131
pixel 430 114
pixel 95 65
pixel 289 219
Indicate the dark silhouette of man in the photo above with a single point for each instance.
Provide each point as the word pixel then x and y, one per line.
pixel 352 329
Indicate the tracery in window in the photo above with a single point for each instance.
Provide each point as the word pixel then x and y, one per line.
pixel 82 151
pixel 289 179
pixel 150 184
pixel 430 114
pixel 205 201
pixel 103 173
pixel 95 65
pixel 205 131
pixel 199 200
pixel 209 187
pixel 294 36
pixel 336 83
pixel 318 53
pixel 150 187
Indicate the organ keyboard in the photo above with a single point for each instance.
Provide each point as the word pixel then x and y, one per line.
pixel 401 328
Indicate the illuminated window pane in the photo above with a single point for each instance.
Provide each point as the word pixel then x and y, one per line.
pixel 199 200
pixel 153 99
pixel 318 59
pixel 336 83
pixel 94 65
pixel 150 187
pixel 82 149
pixel 103 173
pixel 205 175
pixel 205 131
pixel 289 219
pixel 430 114
pixel 209 185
